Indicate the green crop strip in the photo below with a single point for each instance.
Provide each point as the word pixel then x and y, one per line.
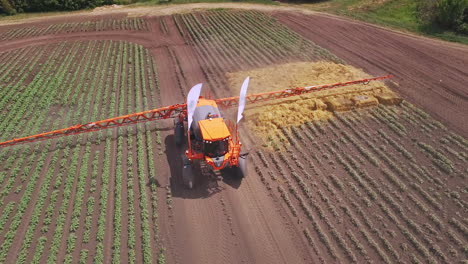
pixel 117 202
pixel 99 257
pixel 131 202
pixel 39 249
pixel 60 222
pixel 22 106
pixel 90 204
pixel 22 205
pixel 72 203
pixel 146 232
pixel 131 24
pixel 67 195
pixel 78 199
pixel 38 210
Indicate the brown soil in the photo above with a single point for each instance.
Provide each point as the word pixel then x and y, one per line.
pixel 429 73
pixel 199 226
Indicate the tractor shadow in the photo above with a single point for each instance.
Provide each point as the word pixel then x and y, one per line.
pixel 231 179
pixel 204 186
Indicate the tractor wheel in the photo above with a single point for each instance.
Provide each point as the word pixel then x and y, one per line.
pixel 242 169
pixel 187 174
pixel 179 132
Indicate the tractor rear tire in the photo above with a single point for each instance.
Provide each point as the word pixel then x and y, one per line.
pixel 242 169
pixel 187 174
pixel 179 132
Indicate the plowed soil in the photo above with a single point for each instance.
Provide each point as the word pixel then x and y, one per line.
pixel 429 73
pixel 232 221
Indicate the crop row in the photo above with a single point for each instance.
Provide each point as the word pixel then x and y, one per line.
pixel 16 68
pixel 77 215
pixel 26 194
pixel 76 188
pixel 339 238
pixel 417 172
pixel 74 27
pixel 242 39
pixel 151 100
pixel 331 208
pixel 29 96
pixel 386 198
pixel 38 210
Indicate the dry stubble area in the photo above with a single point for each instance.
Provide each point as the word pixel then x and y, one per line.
pixel 385 184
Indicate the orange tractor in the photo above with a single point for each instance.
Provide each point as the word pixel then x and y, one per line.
pixel 210 138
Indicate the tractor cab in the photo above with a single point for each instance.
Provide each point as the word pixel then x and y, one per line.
pixel 215 141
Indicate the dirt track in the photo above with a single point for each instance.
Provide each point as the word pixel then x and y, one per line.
pixel 429 73
pixel 228 223
pixel 236 223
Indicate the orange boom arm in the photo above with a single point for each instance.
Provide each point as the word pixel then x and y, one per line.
pixel 173 110
pixel 267 96
pixel 155 114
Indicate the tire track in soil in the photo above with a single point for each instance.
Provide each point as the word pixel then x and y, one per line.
pixel 196 228
pixel 258 220
pixel 165 70
pixel 188 220
pixel 225 227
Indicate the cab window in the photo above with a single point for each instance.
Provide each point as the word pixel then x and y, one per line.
pixel 216 148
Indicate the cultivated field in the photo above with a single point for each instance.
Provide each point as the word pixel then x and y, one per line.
pixel 59 195
pixel 73 27
pixel 384 184
pixel 380 185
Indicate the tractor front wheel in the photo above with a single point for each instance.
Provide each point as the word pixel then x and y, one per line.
pixel 179 132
